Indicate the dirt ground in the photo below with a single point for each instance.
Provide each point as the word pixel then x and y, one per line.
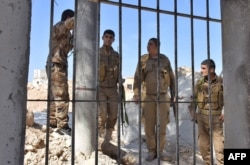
pixel 38 95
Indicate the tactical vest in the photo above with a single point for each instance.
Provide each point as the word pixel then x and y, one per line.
pixel 216 92
pixel 164 73
pixel 109 69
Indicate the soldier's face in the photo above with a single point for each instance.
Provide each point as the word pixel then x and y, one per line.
pixel 108 39
pixel 151 47
pixel 204 70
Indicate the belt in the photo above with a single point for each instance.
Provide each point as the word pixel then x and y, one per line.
pixel 206 112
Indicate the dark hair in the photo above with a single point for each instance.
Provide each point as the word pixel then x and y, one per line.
pixel 67 13
pixel 156 41
pixel 109 31
pixel 209 62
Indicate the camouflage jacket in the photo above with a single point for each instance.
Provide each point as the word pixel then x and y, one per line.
pixel 208 95
pixel 62 41
pixel 149 75
pixel 109 69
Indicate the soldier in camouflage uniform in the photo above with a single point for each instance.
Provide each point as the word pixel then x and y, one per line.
pixel 209 87
pixel 150 82
pixel 108 78
pixel 57 71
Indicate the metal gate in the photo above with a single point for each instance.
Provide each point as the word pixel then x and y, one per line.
pixel 189 31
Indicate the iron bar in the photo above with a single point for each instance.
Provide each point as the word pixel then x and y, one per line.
pixel 49 83
pixel 209 86
pixel 139 78
pixel 193 82
pixel 176 72
pixel 120 84
pixel 158 126
pixel 97 84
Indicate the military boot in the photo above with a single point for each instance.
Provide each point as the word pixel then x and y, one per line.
pixel 151 156
pixel 164 157
pixel 108 136
pixel 101 136
pixel 53 123
pixel 101 132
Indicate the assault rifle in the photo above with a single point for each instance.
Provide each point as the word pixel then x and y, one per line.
pixel 124 116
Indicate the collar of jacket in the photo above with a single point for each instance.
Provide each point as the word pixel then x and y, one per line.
pixel 205 79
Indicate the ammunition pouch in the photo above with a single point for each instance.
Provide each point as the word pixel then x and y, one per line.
pixel 214 101
pixel 217 98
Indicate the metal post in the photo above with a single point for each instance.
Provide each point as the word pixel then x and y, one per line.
pixel 236 69
pixel 85 72
pixel 14 47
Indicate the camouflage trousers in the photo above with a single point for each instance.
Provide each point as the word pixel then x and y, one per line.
pixel 204 138
pixel 150 113
pixel 108 109
pixel 59 95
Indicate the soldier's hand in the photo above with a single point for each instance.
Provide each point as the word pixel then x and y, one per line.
pixel 135 99
pixel 221 118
